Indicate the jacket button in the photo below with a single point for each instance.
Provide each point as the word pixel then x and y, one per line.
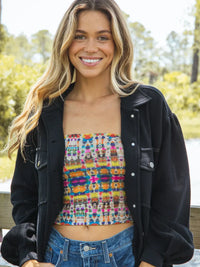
pixel 151 164
pixel 132 116
pixel 134 206
pixel 132 174
pixel 132 144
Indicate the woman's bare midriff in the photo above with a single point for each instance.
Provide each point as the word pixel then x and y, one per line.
pixel 91 233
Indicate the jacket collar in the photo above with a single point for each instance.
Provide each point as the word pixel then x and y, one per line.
pixel 130 102
pixel 136 99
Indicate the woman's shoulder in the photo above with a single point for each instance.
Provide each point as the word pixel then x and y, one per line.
pixel 148 90
pixel 142 93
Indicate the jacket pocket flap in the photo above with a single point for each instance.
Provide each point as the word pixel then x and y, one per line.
pixel 40 159
pixel 147 159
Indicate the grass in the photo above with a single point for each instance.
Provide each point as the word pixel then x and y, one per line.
pixel 6 167
pixel 190 127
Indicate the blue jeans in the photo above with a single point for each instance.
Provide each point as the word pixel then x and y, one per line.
pixel 112 252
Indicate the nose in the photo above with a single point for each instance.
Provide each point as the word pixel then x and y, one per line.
pixel 91 46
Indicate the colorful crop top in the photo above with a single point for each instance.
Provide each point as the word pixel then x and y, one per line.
pixel 93 177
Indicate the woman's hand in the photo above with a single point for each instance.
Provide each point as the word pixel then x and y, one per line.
pixel 34 263
pixel 145 264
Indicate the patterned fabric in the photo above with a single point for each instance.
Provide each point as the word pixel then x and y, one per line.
pixel 93 177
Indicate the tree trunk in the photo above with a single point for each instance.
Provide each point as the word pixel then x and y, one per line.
pixel 195 65
pixel 0 11
pixel 1 35
pixel 196 45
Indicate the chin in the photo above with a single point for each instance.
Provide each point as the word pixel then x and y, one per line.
pixel 89 75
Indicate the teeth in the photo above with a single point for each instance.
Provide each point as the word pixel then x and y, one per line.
pixel 90 60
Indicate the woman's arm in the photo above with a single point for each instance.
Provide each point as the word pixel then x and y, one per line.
pixel 145 264
pixel 34 263
pixel 19 244
pixel 168 238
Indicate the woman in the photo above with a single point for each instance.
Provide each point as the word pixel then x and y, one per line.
pixel 101 176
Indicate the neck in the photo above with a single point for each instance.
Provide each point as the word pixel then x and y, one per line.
pixel 91 89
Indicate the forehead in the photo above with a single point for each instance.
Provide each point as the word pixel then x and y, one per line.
pixel 93 20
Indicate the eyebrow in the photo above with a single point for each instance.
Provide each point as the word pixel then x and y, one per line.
pixel 102 31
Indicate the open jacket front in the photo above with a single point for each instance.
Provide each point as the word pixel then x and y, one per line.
pixel 156 182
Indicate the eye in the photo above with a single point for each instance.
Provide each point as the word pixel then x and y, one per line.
pixel 103 38
pixel 79 37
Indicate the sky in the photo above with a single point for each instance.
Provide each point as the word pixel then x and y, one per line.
pixel 160 17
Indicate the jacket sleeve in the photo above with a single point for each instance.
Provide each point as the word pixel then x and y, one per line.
pixel 169 240
pixel 19 244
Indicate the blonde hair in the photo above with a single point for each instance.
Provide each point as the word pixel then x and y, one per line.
pixel 60 72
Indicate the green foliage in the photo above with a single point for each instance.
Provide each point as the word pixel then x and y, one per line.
pixel 3 37
pixel 28 50
pixel 15 82
pixel 145 52
pixel 21 50
pixel 184 100
pixel 180 94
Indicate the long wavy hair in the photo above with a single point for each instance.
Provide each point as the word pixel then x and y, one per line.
pixel 60 72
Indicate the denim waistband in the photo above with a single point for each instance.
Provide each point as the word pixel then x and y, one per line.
pixel 91 248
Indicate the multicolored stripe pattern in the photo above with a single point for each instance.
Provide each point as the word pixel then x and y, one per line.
pixel 93 177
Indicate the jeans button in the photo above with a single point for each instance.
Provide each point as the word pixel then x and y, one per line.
pixel 86 248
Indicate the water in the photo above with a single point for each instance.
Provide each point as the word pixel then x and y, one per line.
pixel 193 150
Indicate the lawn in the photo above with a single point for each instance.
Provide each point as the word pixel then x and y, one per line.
pixel 6 167
pixel 190 127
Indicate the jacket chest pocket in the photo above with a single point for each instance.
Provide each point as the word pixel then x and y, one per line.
pixel 147 159
pixel 41 167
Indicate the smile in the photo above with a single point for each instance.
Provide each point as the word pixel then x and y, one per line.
pixel 90 61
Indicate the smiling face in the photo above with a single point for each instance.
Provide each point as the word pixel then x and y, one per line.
pixel 92 49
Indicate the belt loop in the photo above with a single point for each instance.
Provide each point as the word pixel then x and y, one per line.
pixel 65 250
pixel 105 252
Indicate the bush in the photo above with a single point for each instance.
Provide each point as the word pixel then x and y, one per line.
pixel 15 82
pixel 183 99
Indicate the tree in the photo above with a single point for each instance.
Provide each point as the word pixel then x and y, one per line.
pixel 20 48
pixel 173 42
pixel 146 54
pixel 42 42
pixel 3 37
pixel 196 45
pixel 178 55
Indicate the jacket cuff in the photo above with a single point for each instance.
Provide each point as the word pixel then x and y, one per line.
pixel 24 256
pixel 19 244
pixel 152 257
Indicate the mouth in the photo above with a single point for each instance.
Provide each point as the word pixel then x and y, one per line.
pixel 90 61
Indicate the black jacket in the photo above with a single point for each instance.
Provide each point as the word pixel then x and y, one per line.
pixel 157 182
